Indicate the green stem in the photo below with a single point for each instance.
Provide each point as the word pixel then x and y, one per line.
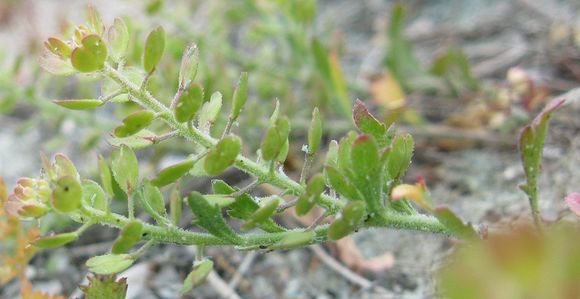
pixel 277 178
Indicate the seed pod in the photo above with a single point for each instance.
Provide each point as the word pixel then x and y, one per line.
pixel 91 55
pixel 134 123
pixel 105 175
pixel 110 263
pixel 304 204
pixel 189 103
pixel 197 276
pixel 57 47
pixel 84 104
pixel 399 157
pixel 172 173
pixel 67 194
pixel 314 132
pixel 294 239
pixel 267 210
pixel 129 236
pixel 275 139
pixel 222 155
pixel 338 229
pixel 153 50
pixel 352 216
pixel 55 240
pixel 209 112
pixel 189 65
pixel 316 185
pixel 341 183
pixel 240 95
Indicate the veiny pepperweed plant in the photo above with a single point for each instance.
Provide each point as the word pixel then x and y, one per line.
pixel 361 185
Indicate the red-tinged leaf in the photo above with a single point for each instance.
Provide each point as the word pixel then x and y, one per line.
pixel 573 202
pixel 368 124
pixel 78 104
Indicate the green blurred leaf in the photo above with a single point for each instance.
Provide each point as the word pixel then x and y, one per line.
pixel 134 123
pixel 240 95
pixel 152 202
pixel 189 103
pixel 105 286
pixel 189 65
pixel 454 223
pixel 172 173
pixel 129 236
pixel 118 39
pixel 209 112
pixel 55 240
pixel 76 104
pixel 314 132
pixel 201 269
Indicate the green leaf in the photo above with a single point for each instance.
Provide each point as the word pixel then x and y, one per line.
pixel 110 263
pixel 55 240
pixel 316 185
pixel 134 123
pixel 454 223
pixel 57 47
pixel 105 286
pixel 367 176
pixel 75 104
pixel 399 158
pixel 153 50
pixel 222 155
pixel 210 218
pixel 125 168
pixel 454 66
pixel 105 175
pixel 189 103
pixel 240 95
pixel 67 194
pixel 118 39
pixel 130 235
pixel 201 269
pixel 94 196
pixel 209 112
pixel 314 132
pixel 344 156
pixel 267 209
pixel 304 204
pixel 274 142
pixel 352 216
pixel 189 65
pixel 294 239
pixel 152 202
pixel 342 184
pixel 175 205
pixel 219 200
pixel 332 154
pixel 139 140
pixel 172 173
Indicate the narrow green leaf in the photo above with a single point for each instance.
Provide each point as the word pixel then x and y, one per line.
pixel 105 175
pixel 110 263
pixel 304 204
pixel 67 194
pixel 172 173
pixel 153 50
pixel 128 237
pixel 341 184
pixel 201 269
pixel 240 95
pixel 210 218
pixel 125 168
pixel 314 132
pixel 454 223
pixel 222 155
pixel 294 239
pixel 209 111
pixel 77 104
pixel 175 205
pixel 55 241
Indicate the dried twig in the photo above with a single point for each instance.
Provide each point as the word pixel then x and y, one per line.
pixel 221 287
pixel 242 269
